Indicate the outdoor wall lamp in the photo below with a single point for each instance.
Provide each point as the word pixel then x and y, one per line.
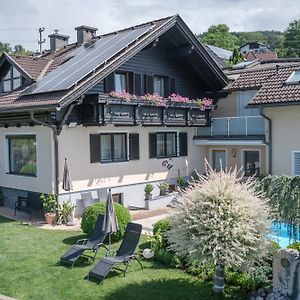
pixel 233 152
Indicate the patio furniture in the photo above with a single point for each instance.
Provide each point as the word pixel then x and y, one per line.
pixel 31 203
pixel 93 243
pixel 124 254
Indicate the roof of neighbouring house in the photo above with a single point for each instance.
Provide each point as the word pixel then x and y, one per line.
pixel 268 55
pixel 270 79
pixel 219 54
pixel 49 65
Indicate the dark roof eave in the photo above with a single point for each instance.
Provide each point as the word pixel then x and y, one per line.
pixel 29 108
pixel 208 58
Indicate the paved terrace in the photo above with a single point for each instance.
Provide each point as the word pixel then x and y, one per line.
pixel 147 218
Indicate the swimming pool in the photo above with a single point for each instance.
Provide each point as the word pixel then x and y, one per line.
pixel 280 234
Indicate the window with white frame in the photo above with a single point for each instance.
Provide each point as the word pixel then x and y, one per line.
pixel 296 163
pixel 251 162
pixel 294 78
pixel 121 82
pixel 22 154
pixel 159 85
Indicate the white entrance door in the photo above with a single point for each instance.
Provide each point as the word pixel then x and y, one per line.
pixel 219 160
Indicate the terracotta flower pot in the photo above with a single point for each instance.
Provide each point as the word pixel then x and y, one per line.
pixel 50 218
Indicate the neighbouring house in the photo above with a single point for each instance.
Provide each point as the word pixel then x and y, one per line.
pixel 221 56
pixel 111 105
pixel 254 127
pixel 257 50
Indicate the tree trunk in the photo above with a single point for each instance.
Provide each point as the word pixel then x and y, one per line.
pixel 219 279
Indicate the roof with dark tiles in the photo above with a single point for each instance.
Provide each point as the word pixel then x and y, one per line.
pixel 270 81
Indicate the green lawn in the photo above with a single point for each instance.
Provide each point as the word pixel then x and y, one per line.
pixel 29 270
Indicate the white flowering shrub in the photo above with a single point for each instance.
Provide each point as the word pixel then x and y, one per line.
pixel 221 220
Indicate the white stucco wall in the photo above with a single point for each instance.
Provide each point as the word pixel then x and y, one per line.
pixel 285 137
pixel 43 182
pixel 129 177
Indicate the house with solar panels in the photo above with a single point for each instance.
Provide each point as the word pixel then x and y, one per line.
pixel 123 108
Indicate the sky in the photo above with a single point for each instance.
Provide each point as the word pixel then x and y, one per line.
pixel 20 19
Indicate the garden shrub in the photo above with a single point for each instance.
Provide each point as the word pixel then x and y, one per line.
pixel 162 226
pixel 295 246
pixel 90 215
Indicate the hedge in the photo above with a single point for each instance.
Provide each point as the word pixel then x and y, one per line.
pixel 90 214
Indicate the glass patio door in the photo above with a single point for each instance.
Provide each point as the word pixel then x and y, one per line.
pixel 219 159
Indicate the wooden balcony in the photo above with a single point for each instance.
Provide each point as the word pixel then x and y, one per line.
pixel 108 110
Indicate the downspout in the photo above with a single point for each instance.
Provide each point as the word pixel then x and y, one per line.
pixel 55 139
pixel 269 142
pixel 56 129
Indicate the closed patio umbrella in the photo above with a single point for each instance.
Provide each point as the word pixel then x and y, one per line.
pixel 67 182
pixel 110 224
pixel 67 185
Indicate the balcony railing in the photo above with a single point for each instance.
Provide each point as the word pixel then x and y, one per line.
pixel 234 127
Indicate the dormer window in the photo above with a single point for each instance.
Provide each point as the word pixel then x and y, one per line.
pixel 11 81
pixel 294 78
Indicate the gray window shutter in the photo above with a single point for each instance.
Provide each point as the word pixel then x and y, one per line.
pixel 166 87
pixel 130 82
pixel 152 145
pixel 134 146
pixel 183 144
pixel 110 83
pixel 138 84
pixel 149 84
pixel 94 148
pixel 296 163
pixel 172 86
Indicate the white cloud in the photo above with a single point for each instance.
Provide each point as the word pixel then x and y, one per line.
pixel 20 19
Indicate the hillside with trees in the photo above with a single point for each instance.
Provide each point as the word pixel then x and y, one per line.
pixel 17 49
pixel 286 43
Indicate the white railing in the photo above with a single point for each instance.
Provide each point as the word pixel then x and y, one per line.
pixel 234 126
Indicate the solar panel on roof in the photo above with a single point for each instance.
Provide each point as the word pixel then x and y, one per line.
pixel 85 61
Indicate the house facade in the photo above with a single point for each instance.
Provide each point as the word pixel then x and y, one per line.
pixel 252 127
pixel 111 106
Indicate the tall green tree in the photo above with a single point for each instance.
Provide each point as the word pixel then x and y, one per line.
pixel 236 57
pixel 219 36
pixel 292 39
pixel 4 47
pixel 19 49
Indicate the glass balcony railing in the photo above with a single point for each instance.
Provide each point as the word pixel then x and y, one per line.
pixel 234 127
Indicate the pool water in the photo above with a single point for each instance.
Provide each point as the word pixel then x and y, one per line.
pixel 280 235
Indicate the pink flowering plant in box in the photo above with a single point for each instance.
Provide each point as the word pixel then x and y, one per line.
pixel 178 98
pixel 122 95
pixel 205 103
pixel 155 99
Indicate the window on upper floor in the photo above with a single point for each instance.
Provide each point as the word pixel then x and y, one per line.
pixel 294 78
pixel 121 82
pixel 11 80
pixel 159 83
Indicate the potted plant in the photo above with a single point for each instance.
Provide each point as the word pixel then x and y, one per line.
pixel 148 191
pixel 50 205
pixel 65 212
pixel 181 182
pixel 163 188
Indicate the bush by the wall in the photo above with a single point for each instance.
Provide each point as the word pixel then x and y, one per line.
pixel 90 215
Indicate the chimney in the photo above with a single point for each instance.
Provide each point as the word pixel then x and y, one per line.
pixel 57 40
pixel 85 33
